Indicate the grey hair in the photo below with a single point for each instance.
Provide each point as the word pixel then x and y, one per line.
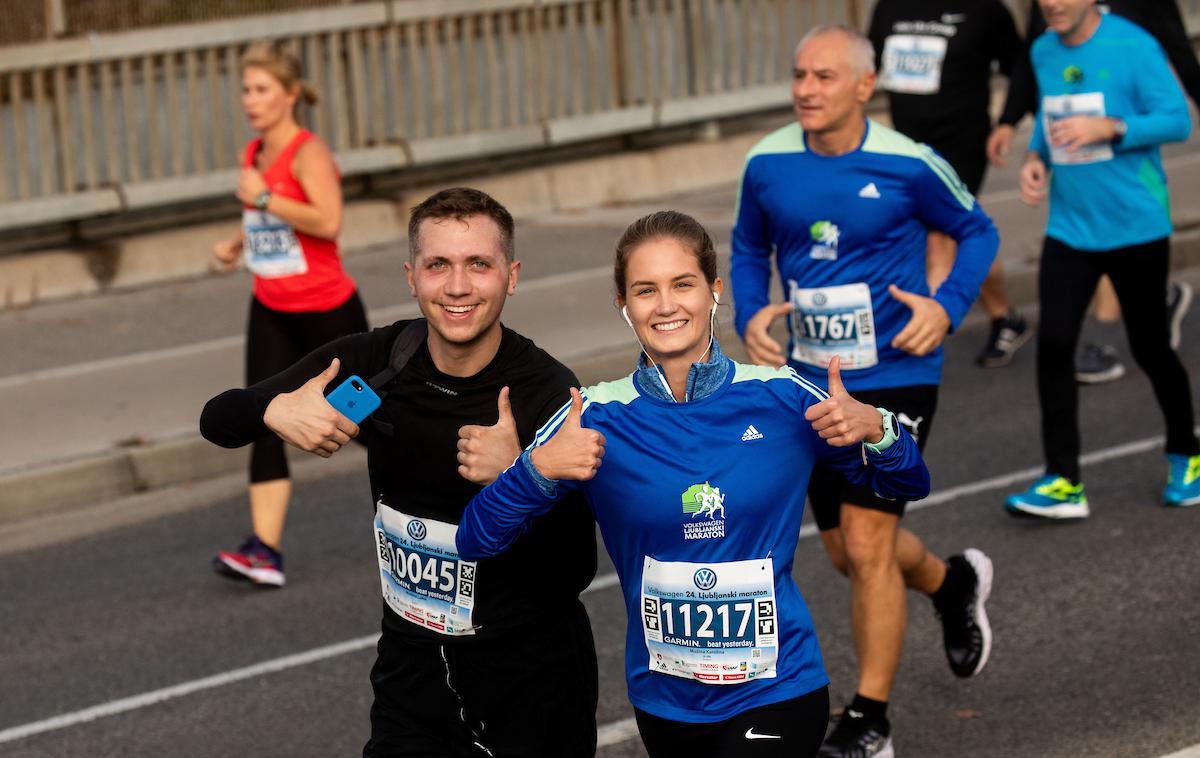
pixel 862 52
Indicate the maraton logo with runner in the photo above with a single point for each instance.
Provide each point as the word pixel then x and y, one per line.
pixel 825 235
pixel 1072 75
pixel 705 506
pixel 416 530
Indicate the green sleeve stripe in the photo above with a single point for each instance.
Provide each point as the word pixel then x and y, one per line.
pixel 946 173
pixel 619 391
pixel 787 139
pixel 886 141
pixel 747 373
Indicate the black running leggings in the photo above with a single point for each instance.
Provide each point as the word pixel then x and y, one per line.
pixel 791 729
pixel 274 341
pixel 1066 284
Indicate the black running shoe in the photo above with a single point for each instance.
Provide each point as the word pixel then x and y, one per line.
pixel 1098 364
pixel 1006 337
pixel 965 629
pixel 856 736
pixel 1179 299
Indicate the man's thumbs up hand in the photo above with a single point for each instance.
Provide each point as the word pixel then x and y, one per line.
pixel 484 452
pixel 305 419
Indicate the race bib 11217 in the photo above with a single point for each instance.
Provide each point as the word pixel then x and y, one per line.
pixel 714 623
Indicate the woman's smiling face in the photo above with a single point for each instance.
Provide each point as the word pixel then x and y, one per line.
pixel 669 300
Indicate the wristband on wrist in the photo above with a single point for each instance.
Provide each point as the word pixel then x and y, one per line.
pixel 1120 129
pixel 891 433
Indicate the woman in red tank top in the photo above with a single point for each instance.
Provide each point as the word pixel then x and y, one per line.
pixel 292 212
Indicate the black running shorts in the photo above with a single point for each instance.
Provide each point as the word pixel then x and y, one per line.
pixel 527 694
pixel 790 729
pixel 828 489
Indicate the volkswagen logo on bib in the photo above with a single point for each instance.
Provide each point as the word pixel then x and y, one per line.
pixel 705 578
pixel 416 530
pixel 819 299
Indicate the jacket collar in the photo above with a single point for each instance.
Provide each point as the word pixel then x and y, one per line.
pixel 703 378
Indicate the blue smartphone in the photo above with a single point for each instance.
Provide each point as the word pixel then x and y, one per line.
pixel 354 399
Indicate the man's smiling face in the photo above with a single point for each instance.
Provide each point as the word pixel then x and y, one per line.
pixel 461 278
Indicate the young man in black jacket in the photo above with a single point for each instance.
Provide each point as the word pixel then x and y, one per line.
pixel 493 657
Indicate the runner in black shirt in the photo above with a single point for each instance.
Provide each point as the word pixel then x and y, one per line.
pixel 493 658
pixel 935 60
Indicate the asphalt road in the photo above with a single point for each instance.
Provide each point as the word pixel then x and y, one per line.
pixel 1095 622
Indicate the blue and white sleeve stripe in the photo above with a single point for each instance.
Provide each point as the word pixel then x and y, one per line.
pixel 551 426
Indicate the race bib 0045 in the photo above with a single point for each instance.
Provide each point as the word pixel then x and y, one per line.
pixel 423 579
pixel 912 64
pixel 831 321
pixel 272 249
pixel 714 623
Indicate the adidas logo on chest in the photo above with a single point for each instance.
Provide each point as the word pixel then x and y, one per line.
pixel 751 434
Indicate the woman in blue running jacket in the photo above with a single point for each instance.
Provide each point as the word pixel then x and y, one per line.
pixel 699 500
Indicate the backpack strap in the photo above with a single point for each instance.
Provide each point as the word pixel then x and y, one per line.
pixel 404 347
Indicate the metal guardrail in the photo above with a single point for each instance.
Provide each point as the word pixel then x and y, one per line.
pixel 130 121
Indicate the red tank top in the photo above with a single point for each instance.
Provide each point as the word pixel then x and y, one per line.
pixel 293 271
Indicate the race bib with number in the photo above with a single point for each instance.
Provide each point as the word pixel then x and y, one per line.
pixel 711 622
pixel 272 249
pixel 423 579
pixel 1058 107
pixel 833 321
pixel 912 64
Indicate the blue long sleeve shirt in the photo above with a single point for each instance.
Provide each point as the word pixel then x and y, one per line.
pixel 1107 196
pixel 842 228
pixel 700 505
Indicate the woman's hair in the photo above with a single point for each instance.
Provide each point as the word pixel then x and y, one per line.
pixel 666 225
pixel 280 63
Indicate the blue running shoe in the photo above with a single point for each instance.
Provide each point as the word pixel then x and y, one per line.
pixel 1052 496
pixel 1183 480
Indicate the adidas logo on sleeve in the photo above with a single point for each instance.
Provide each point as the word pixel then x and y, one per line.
pixel 751 434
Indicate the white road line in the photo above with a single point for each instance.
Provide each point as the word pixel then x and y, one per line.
pixel 616 732
pixel 610 734
pixel 123 705
pixel 1187 752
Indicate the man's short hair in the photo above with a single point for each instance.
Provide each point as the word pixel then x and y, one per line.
pixel 460 203
pixel 862 52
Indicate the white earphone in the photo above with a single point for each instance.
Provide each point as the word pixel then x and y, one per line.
pixel 625 315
